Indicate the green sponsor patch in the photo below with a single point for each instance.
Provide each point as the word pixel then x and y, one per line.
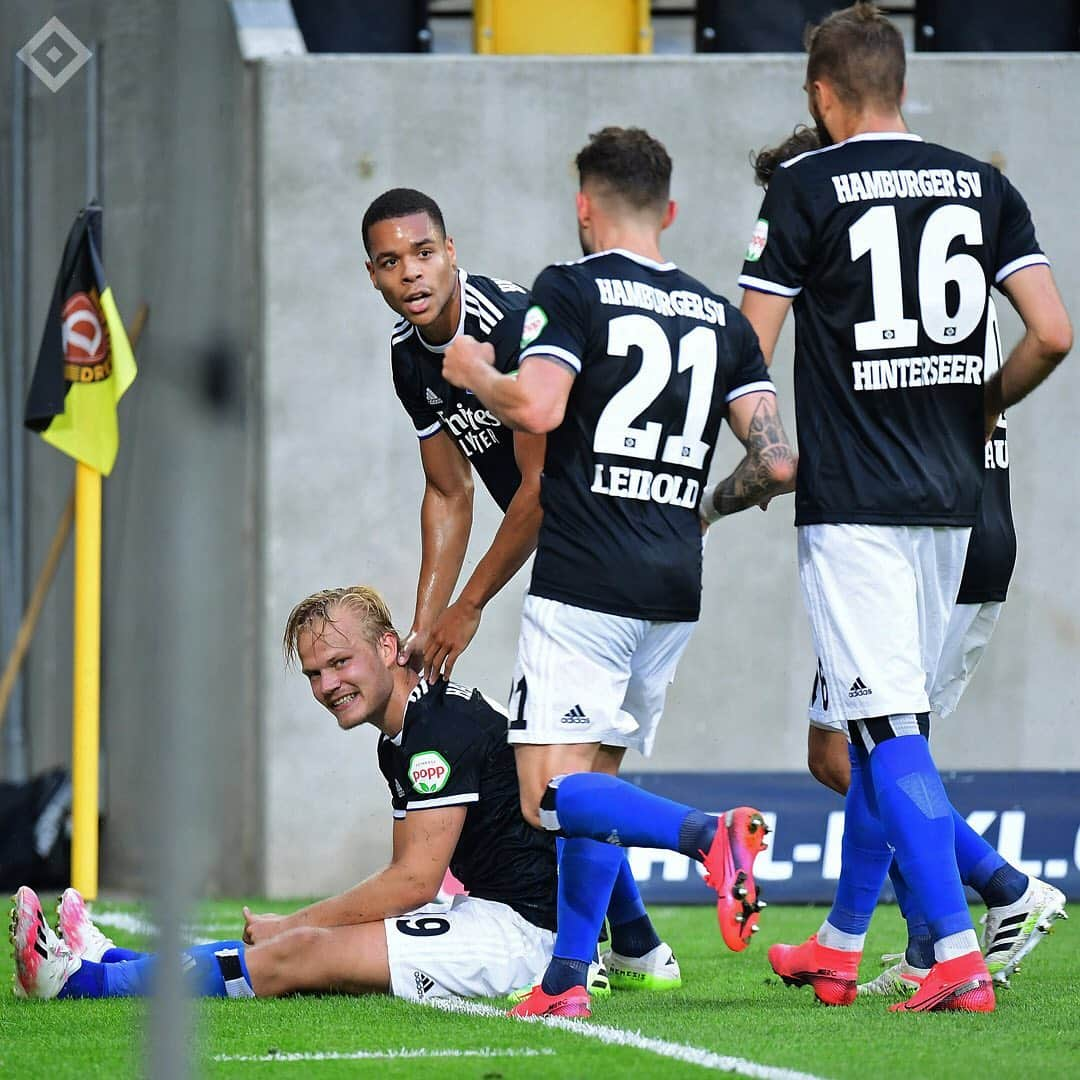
pixel 758 240
pixel 535 321
pixel 428 772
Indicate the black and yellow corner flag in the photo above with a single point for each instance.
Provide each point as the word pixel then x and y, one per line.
pixel 85 362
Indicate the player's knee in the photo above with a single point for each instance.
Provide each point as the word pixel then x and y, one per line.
pixel 530 810
pixel 827 760
pixel 540 813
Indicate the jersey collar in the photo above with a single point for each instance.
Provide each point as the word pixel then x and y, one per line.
pixel 417 692
pixel 633 256
pixel 462 278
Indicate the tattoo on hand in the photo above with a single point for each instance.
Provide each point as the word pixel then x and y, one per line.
pixel 768 454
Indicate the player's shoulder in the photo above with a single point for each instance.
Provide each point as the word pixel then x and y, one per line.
pixel 497 293
pixel 448 716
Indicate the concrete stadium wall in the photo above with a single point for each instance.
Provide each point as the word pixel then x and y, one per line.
pixel 493 140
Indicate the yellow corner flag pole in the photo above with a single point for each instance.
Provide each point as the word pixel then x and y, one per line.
pixel 86 719
pixel 86 698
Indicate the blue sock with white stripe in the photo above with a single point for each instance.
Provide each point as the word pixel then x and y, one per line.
pixel 587 873
pixel 918 822
pixel 606 808
pixel 865 859
pixel 209 968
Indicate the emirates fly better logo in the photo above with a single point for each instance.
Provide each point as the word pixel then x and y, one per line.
pixel 54 54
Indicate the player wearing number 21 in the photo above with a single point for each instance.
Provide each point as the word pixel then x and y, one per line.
pixel 887 247
pixel 630 365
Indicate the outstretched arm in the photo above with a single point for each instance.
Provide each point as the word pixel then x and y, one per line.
pixel 423 843
pixel 532 399
pixel 769 466
pixel 514 542
pixel 445 523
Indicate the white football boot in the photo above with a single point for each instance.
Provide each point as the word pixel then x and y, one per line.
pixel 899 980
pixel 656 970
pixel 77 929
pixel 43 963
pixel 1011 931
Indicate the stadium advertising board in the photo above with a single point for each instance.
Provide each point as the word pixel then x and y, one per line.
pixel 1033 818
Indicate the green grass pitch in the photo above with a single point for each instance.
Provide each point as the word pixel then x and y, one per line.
pixel 730 1004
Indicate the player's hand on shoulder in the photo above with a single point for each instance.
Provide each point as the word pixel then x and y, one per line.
pixel 411 653
pixel 449 638
pixel 463 357
pixel 260 928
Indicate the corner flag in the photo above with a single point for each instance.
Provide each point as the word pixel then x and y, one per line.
pixel 85 362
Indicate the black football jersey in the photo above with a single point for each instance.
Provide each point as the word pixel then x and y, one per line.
pixel 889 246
pixel 452 751
pixel 491 310
pixel 657 357
pixel 991 553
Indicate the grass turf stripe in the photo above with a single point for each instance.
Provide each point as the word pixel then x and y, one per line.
pixel 693 1055
pixel 384 1055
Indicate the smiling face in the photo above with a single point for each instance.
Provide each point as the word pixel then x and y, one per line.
pixel 414 266
pixel 349 674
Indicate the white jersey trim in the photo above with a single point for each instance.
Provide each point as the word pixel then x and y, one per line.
pixel 761 285
pixel 450 800
pixel 1019 264
pixel 866 136
pixel 643 260
pixel 553 352
pixel 751 388
pixel 493 313
pixel 427 432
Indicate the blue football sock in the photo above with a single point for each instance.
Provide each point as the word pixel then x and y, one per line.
pixel 116 955
pixel 587 873
pixel 918 822
pixel 606 808
pixel 865 856
pixel 996 881
pixel 632 932
pixel 920 947
pixel 218 970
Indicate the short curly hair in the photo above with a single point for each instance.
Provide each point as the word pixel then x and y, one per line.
pixel 318 610
pixel 630 163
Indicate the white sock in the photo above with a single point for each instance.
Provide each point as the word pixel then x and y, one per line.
pixel 832 938
pixel 949 948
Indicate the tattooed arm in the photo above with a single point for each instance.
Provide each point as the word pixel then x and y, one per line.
pixel 769 466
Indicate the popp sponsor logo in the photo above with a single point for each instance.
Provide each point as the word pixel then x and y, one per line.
pixel 428 772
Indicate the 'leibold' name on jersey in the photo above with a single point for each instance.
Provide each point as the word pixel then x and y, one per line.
pixel 624 482
pixel 621 292
pixel 907 184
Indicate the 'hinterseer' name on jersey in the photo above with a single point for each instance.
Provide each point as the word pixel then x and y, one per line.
pixel 621 292
pixel 907 184
pixel 623 482
pixel 906 372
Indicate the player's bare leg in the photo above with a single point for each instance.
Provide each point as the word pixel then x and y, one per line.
pixel 311 959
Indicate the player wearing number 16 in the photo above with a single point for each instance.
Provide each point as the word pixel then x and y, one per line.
pixel 630 365
pixel 887 247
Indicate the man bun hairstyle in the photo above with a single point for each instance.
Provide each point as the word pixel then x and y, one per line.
pixel 401 202
pixel 317 611
pixel 767 161
pixel 630 164
pixel 860 52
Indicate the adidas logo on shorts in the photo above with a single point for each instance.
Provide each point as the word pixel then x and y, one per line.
pixel 432 397
pixel 424 983
pixel 575 716
pixel 859 689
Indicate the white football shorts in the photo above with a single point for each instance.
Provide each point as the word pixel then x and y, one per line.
pixel 880 599
pixel 464 947
pixel 590 677
pixel 970 629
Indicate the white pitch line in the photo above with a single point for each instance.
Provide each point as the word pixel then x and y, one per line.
pixel 693 1055
pixel 384 1055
